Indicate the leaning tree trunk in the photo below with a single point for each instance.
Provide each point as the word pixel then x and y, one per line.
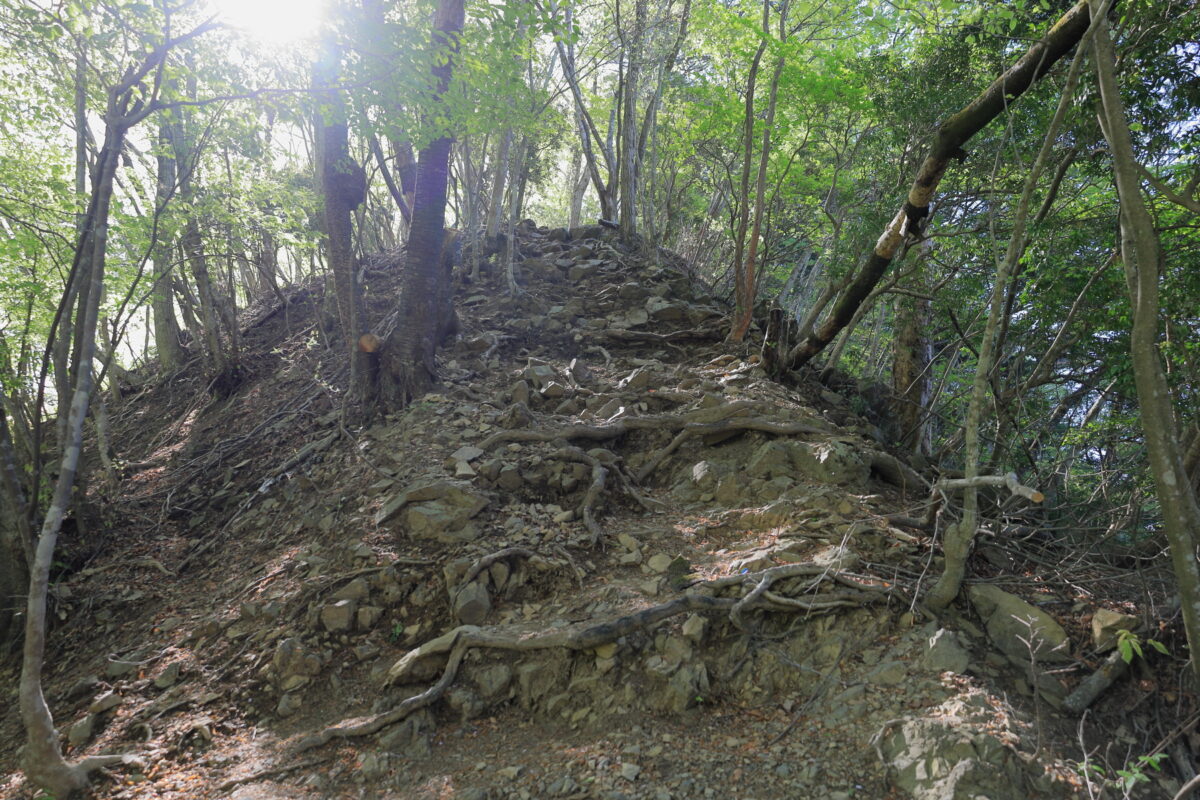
pixel 908 224
pixel 407 368
pixel 44 764
pixel 1142 254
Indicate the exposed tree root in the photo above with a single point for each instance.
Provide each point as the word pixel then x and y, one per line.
pixel 597 433
pixel 273 772
pixel 486 561
pixel 626 336
pixel 740 424
pixel 461 640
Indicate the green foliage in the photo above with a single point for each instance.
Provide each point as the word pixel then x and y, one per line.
pixel 1129 644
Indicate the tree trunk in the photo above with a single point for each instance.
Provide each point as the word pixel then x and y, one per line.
pixel 500 172
pixel 407 368
pixel 630 160
pixel 343 189
pixel 1142 254
pixel 44 764
pixel 911 357
pixel 16 539
pixel 166 328
pixel 908 224
pixel 957 544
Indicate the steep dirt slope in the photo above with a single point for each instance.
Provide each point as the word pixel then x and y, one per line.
pixel 609 558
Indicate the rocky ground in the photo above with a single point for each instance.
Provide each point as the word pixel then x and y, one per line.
pixel 608 558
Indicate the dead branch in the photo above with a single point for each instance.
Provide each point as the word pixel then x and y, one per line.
pixel 1009 481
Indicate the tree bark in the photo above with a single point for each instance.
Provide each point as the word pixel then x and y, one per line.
pixel 162 304
pixel 343 189
pixel 907 226
pixel 1143 257
pixel 407 368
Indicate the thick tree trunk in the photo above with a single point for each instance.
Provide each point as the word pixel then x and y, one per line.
pixel 166 328
pixel 343 189
pixel 630 152
pixel 407 368
pixel 908 224
pixel 1142 254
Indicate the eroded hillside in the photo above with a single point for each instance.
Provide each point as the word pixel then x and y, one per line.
pixel 609 558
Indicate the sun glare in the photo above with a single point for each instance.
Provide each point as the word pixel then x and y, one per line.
pixel 273 22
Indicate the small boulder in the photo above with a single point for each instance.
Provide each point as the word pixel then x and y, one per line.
pixel 1106 626
pixel 944 653
pixel 472 603
pixel 339 617
pixel 1016 627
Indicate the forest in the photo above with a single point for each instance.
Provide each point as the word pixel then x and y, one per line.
pixel 978 221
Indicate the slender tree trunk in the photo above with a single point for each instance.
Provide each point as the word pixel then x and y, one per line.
pixel 1143 257
pixel 748 273
pixel 500 170
pixel 407 368
pixel 743 292
pixel 959 536
pixel 45 766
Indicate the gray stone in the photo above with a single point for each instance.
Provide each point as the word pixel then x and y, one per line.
pixel 472 603
pixel 693 628
pixel 82 731
pixel 944 653
pixel 941 760
pixel 630 771
pixel 1106 625
pixel 659 562
pixel 1009 620
pixel 104 702
pixel 169 676
pixel 292 665
pixel 367 616
pixel 357 589
pixel 338 617
pixel 119 669
pixel 640 378
pixel 467 453
pixel 493 681
pixel 289 704
pixel 890 673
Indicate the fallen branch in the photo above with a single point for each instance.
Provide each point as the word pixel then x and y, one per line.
pixel 1097 683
